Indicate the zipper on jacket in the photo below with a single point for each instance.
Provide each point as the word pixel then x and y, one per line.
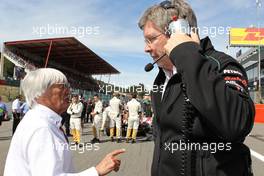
pixel 187 121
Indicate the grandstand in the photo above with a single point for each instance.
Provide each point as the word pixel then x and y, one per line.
pixel 69 55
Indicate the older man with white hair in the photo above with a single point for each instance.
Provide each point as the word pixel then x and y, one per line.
pixel 39 146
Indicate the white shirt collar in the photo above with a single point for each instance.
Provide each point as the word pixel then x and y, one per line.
pixel 168 73
pixel 51 115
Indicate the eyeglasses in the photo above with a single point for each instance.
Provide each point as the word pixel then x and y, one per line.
pixel 152 39
pixel 65 85
pixel 166 5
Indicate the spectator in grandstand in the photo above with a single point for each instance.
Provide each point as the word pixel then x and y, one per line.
pixel 39 146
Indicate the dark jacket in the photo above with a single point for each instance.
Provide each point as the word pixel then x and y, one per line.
pixel 205 106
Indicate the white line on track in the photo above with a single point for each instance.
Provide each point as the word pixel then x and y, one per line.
pixel 257 155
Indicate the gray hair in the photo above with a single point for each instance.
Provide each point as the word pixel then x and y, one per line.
pixel 38 81
pixel 161 17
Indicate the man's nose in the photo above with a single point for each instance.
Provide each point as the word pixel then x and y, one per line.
pixel 147 48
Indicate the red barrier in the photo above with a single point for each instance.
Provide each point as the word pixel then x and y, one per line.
pixel 259 117
pixel 2 82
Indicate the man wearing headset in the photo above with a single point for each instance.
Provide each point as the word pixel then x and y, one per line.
pixel 203 100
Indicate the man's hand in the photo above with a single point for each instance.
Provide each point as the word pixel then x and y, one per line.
pixel 179 38
pixel 109 163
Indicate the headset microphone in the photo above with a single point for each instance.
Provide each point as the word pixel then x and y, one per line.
pixel 150 66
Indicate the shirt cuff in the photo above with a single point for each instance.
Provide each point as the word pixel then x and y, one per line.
pixel 89 172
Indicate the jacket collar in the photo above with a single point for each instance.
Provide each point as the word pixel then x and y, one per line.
pixel 206 45
pixel 161 77
pixel 168 74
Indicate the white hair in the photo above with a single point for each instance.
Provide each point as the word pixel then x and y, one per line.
pixel 38 81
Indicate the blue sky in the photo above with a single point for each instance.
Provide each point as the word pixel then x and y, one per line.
pixel 115 35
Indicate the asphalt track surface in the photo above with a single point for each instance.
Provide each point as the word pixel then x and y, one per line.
pixel 138 157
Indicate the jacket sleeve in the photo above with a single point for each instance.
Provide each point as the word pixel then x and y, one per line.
pixel 221 97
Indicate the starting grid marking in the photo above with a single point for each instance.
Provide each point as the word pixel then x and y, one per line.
pixel 257 155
